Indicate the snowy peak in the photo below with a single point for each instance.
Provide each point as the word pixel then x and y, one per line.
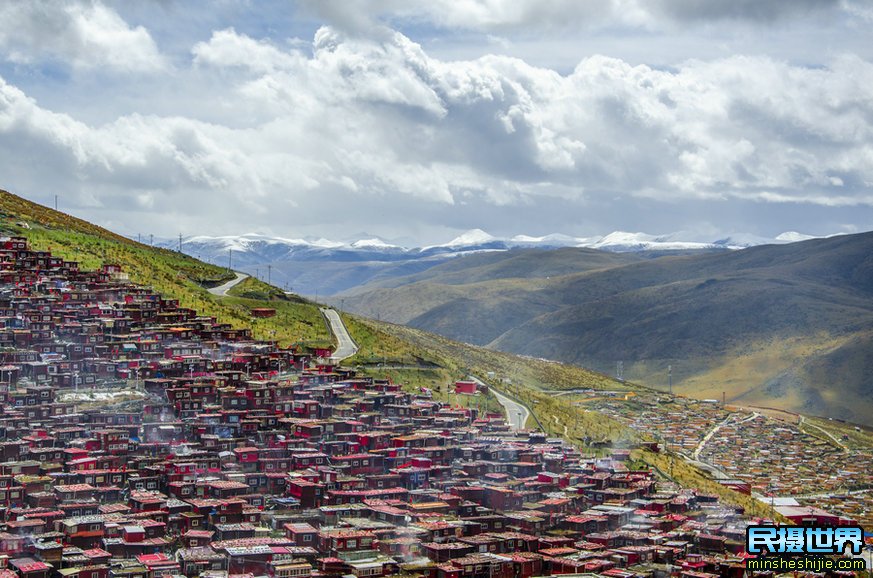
pixel 472 240
pixel 621 241
pixel 374 243
pixel 469 238
pixel 793 237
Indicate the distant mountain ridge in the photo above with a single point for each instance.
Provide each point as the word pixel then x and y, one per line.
pixel 619 241
pixel 318 265
pixel 787 326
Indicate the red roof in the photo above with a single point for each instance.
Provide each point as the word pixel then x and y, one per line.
pixel 30 565
pixel 145 558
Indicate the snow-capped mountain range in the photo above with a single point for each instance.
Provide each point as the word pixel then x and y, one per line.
pixel 270 248
pixel 310 265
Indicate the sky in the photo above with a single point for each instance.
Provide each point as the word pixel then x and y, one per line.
pixel 417 120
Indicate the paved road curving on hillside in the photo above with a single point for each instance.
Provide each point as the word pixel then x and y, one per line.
pixel 346 347
pixel 222 290
pixel 516 414
pixel 803 422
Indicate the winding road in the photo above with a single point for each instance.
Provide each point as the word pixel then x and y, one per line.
pixel 516 414
pixel 222 290
pixel 715 472
pixel 729 419
pixel 346 347
pixel 803 422
pixel 694 459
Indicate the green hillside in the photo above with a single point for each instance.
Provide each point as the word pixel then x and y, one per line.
pixel 533 381
pixel 783 326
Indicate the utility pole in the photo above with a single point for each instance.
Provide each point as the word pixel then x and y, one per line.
pixel 269 273
pixel 670 377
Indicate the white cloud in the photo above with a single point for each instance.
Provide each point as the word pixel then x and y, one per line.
pixel 359 127
pixel 226 48
pixel 85 35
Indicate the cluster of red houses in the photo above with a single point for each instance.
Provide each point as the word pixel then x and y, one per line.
pixel 238 458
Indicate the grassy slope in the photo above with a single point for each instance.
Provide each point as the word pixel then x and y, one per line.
pixel 687 475
pixel 531 380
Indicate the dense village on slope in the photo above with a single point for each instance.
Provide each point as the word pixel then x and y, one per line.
pixel 241 458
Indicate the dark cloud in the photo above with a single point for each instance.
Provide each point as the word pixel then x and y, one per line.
pixel 529 16
pixel 752 10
